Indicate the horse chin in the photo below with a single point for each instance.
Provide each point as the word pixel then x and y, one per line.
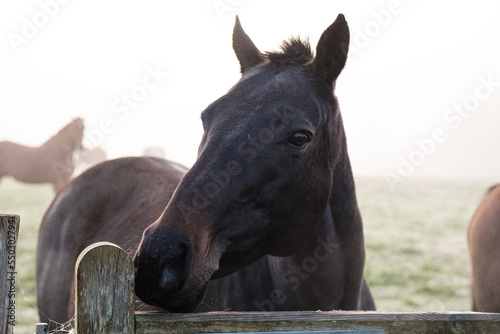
pixel 188 304
pixel 185 301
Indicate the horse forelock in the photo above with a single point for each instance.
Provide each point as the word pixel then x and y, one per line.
pixel 293 51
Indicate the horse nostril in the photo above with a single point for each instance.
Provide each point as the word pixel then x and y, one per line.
pixel 175 267
pixel 163 262
pixel 169 279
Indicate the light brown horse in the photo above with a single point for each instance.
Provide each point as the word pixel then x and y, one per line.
pixel 50 163
pixel 484 249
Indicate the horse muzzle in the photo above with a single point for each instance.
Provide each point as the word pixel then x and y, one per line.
pixel 164 273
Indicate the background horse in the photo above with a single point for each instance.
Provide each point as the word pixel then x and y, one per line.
pixel 266 219
pixel 484 249
pixel 50 163
pixel 90 157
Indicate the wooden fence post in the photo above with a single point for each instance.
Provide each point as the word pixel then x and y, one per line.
pixel 9 231
pixel 104 290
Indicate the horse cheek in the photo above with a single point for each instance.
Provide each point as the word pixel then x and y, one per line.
pixel 250 152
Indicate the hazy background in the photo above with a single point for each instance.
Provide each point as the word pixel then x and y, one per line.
pixel 412 65
pixel 418 71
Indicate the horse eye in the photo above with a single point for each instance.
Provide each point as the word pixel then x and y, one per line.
pixel 299 140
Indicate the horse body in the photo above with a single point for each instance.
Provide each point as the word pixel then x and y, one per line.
pixel 52 162
pixel 267 217
pixel 484 250
pixel 104 203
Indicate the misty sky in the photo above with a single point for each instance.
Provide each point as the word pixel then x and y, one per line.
pixel 420 93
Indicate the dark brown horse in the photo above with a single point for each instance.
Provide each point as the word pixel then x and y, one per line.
pixel 50 163
pixel 266 219
pixel 484 249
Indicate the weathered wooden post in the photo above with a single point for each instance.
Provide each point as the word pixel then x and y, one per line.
pixel 9 230
pixel 104 290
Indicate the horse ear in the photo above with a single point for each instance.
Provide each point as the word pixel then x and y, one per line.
pixel 331 52
pixel 247 53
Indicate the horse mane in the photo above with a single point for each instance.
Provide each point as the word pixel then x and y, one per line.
pixel 293 51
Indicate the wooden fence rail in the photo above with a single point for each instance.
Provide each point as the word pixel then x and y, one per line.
pixel 9 231
pixel 104 303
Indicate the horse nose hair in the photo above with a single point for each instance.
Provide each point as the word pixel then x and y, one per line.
pixel 175 265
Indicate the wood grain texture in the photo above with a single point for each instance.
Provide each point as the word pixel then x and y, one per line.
pixel 389 322
pixel 104 290
pixel 9 231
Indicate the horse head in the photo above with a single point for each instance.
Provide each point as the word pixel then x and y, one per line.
pixel 71 135
pixel 263 177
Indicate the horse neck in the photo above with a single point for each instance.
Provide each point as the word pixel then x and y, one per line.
pixel 337 253
pixel 325 242
pixel 348 225
pixel 343 202
pixel 311 279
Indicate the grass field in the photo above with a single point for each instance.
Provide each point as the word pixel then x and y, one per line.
pixel 30 203
pixel 415 236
